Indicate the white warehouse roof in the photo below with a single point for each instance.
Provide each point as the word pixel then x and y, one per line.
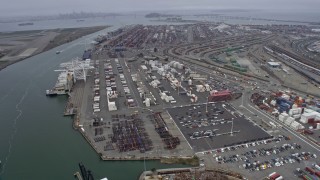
pixel 274 63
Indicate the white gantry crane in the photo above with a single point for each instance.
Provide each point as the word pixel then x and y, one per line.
pixel 78 68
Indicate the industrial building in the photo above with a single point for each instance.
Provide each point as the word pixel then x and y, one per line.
pixel 274 64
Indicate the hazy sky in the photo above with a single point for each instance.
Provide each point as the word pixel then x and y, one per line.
pixel 42 7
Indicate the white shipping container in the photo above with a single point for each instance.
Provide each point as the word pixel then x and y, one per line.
pixel 96 110
pixel 306 116
pixel 96 104
pixel 272 124
pixel 296 116
pixel 147 102
pixel 207 87
pixel 112 106
pixel 173 102
pixel 317 167
pixel 279 178
pixel 273 102
pixel 288 121
pixel 293 112
pixel 295 125
pixel 283 116
pixel 272 174
pixel 285 96
pixel 155 68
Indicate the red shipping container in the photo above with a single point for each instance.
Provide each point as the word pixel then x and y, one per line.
pixel 311 171
pixel 311 120
pixel 274 176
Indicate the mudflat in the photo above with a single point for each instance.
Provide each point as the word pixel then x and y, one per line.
pixel 17 46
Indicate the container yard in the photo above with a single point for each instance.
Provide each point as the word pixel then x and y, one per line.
pixel 302 114
pixel 212 90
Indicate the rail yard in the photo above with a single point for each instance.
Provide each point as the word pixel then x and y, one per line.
pixel 239 97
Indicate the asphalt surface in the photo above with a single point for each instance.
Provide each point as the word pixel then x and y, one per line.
pixel 243 129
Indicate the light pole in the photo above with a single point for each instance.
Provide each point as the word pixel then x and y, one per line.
pixel 231 127
pixel 207 103
pixel 144 162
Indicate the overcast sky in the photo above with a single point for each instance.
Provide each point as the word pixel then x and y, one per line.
pixel 43 7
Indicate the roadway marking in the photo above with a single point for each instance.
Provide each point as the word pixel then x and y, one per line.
pixel 246 109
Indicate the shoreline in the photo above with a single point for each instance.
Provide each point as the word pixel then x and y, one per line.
pixel 60 39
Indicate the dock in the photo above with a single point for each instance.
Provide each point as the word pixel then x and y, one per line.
pixel 78 176
pixel 70 110
pixel 74 100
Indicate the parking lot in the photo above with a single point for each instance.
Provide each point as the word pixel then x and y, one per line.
pixel 220 127
pixel 258 159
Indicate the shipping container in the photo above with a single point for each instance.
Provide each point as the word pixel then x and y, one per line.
pixel 310 170
pixel 274 176
pixel 305 177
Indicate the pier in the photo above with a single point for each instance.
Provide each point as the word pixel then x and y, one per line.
pixel 78 176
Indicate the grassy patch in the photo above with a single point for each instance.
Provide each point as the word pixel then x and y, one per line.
pixel 193 161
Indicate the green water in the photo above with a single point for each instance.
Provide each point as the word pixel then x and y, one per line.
pixel 36 141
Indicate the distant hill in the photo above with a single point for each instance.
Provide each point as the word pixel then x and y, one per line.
pixel 152 15
pixel 157 15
